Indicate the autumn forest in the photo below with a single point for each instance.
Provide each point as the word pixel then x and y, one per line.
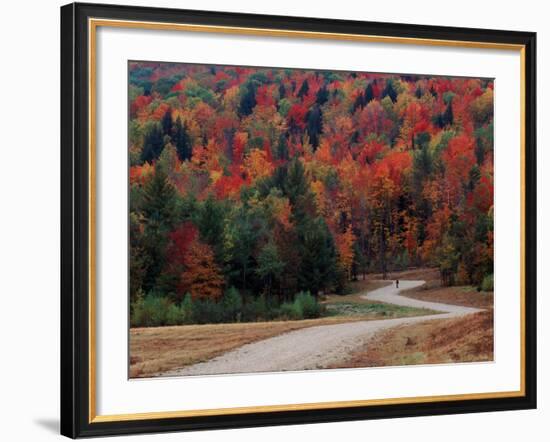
pixel 255 191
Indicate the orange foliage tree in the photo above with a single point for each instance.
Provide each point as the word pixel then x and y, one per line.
pixel 202 277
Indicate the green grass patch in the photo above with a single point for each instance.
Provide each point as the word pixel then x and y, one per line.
pixel 373 309
pixel 469 288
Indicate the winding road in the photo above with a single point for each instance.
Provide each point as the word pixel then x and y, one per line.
pixel 319 346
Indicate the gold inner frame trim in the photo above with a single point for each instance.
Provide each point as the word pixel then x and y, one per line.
pixel 93 24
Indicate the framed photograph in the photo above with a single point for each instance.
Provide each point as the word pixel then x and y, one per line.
pixel 274 220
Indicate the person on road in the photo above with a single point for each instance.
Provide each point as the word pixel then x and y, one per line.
pixel 397 283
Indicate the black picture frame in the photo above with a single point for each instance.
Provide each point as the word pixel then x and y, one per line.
pixel 75 221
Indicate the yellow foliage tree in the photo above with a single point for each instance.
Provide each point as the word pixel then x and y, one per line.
pixel 257 165
pixel 344 245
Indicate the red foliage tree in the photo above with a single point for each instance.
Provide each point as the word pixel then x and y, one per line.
pixel 459 157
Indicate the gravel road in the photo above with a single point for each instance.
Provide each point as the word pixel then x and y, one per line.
pixel 319 346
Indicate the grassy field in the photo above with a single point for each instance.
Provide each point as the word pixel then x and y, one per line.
pixel 355 306
pixel 465 339
pixel 159 349
pixel 466 296
pixel 438 341
pixel 155 350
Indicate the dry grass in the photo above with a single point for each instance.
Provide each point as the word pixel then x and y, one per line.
pixel 466 296
pixel 160 349
pixel 465 339
pixel 433 291
pixel 438 341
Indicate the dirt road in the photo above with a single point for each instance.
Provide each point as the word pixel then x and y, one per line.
pixel 319 346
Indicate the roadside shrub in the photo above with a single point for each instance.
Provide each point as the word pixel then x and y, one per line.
pixel 272 306
pixel 154 310
pixel 305 306
pixel 487 283
pixel 308 305
pixel 151 311
pixel 187 309
pixel 232 304
pixel 207 312
pixel 160 307
pixel 173 315
pixel 254 309
pixel 291 310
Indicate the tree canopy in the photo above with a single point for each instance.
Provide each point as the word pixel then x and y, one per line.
pixel 275 181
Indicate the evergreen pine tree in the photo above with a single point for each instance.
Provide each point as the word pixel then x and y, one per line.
pixel 369 94
pixel 322 95
pixel 158 211
pixel 282 91
pixel 296 186
pixel 318 255
pixel 479 151
pixel 359 103
pixel 270 265
pixel 153 143
pixel 304 89
pixel 448 114
pixel 389 91
pixel 282 148
pixel 166 123
pixel 314 125
pixel 210 217
pixel 182 141
pixel 248 100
